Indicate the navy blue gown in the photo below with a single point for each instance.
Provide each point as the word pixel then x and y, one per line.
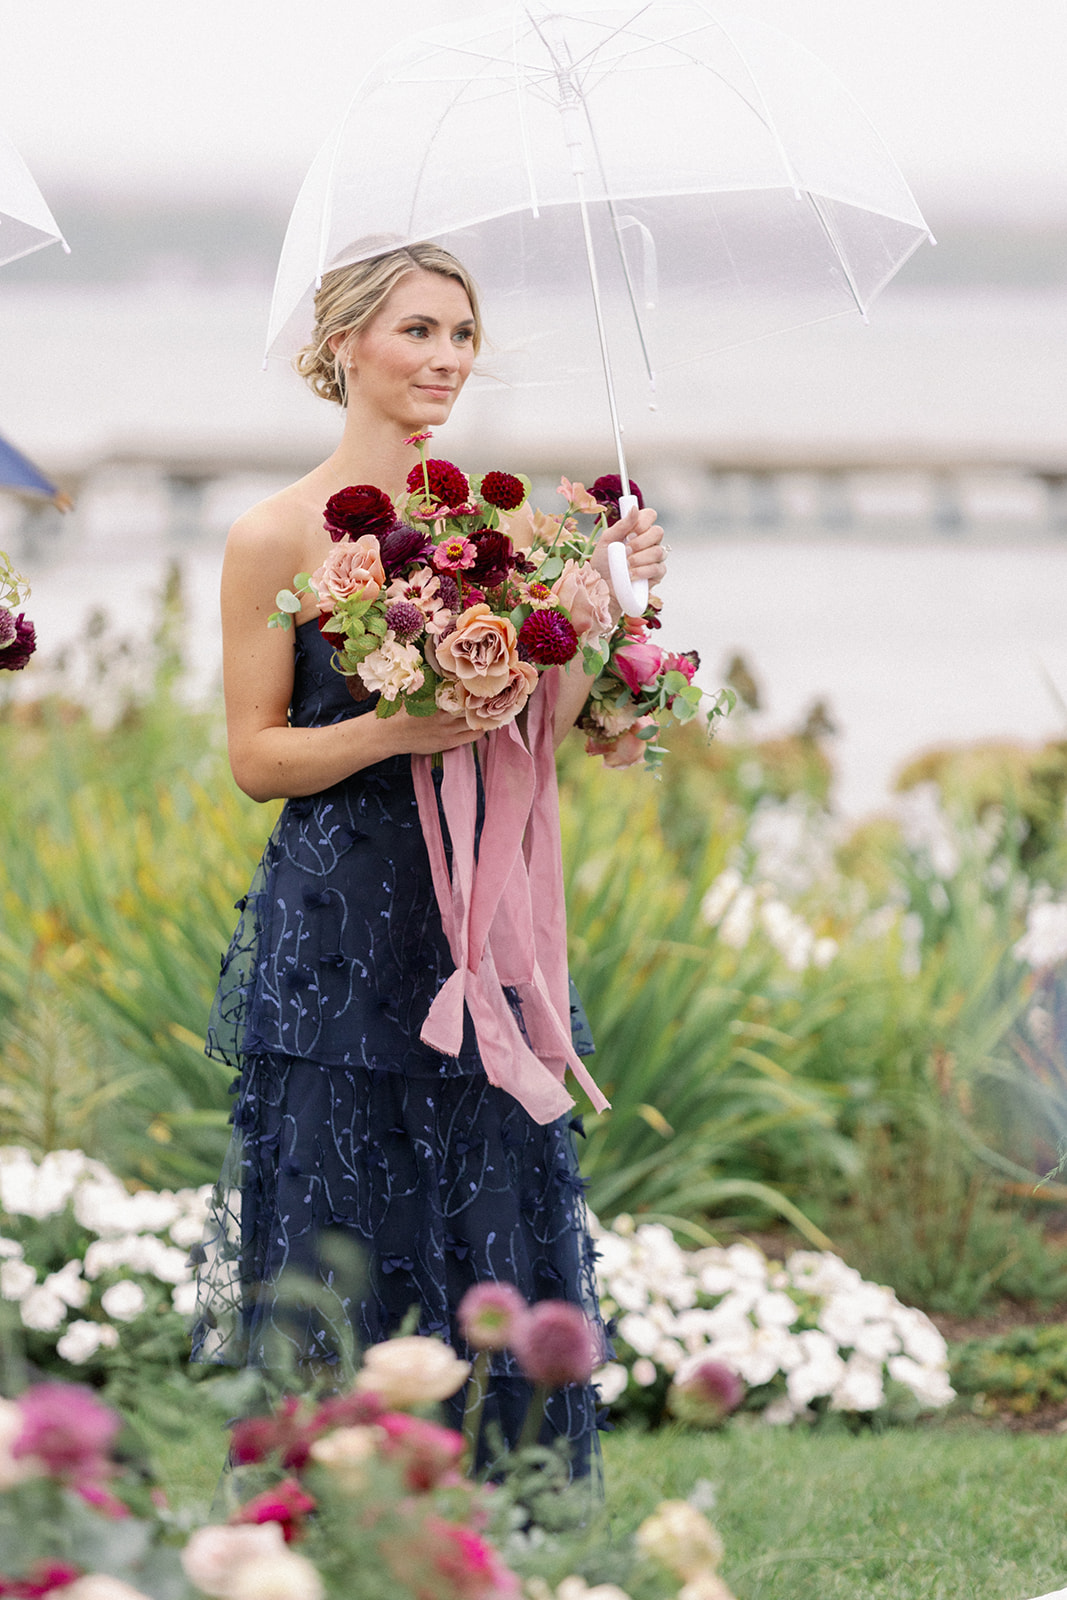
pixel 347 1129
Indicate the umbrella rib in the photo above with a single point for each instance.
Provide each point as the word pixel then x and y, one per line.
pixel 832 240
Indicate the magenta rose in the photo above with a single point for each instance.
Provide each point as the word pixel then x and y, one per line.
pixel 360 509
pixel 638 664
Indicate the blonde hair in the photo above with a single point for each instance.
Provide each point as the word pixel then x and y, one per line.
pixel 350 297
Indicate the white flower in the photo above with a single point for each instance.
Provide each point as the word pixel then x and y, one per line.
pixel 770 1350
pixel 213 1555
pixel 17 1278
pixel 106 1207
pixel 100 1586
pixel 13 1471
pixel 860 1386
pixel 680 1537
pixel 42 1311
pixel 735 929
pixel 611 1381
pixel 69 1285
pixel 718 897
pixel 781 1412
pixel 1044 944
pixel 31 1191
pixel 823 952
pixel 124 1301
pixel 928 1384
pixel 392 669
pixel 644 1372
pixel 187 1230
pixel 411 1371
pixel 140 1253
pixel 776 1310
pixel 640 1333
pixel 287 1576
pixel 346 1453
pixel 575 1588
pixel 83 1339
pixel 877 1340
pixel 921 1340
pixel 9 1249
pixel 183 1298
pixel 789 934
pixel 747 1262
pixel 926 829
pixel 818 1373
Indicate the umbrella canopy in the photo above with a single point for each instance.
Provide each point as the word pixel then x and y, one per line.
pixel 730 184
pixel 19 473
pixel 26 224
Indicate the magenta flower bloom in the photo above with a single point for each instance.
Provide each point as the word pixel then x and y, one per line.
pixel 453 555
pixel 547 638
pixel 687 662
pixel 286 1504
pixel 491 1314
pixel 67 1429
pixel 21 641
pixel 427 1453
pixel 556 1344
pixel 638 665
pixel 705 1394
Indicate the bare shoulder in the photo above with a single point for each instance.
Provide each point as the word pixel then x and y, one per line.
pixel 280 525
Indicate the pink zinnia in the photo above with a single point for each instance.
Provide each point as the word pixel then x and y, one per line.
pixel 556 1344
pixel 490 1315
pixel 453 555
pixel 67 1429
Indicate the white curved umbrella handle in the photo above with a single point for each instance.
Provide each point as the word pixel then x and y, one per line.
pixel 632 594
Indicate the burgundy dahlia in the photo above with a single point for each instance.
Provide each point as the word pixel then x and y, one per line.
pixel 503 490
pixel 359 509
pixel 405 619
pixel 607 491
pixel 547 638
pixel 400 546
pixel 14 656
pixel 448 486
pixel 556 1344
pixel 493 560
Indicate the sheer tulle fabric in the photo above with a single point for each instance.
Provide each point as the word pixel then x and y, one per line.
pixel 347 1127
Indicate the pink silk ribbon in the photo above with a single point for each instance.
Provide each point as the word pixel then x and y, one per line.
pixel 503 914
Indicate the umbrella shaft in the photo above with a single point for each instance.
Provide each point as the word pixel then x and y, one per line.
pixel 602 335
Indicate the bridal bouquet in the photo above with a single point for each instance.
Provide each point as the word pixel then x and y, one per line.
pixel 431 604
pixel 17 636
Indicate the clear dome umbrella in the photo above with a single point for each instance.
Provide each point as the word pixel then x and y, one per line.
pixel 26 224
pixel 700 177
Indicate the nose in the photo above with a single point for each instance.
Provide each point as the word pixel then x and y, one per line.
pixel 445 357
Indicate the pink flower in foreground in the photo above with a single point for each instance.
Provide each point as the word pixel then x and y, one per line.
pixel 444 1561
pixel 286 1504
pixel 486 712
pixel 556 1344
pixel 352 571
pixel 67 1429
pixel 587 599
pixel 418 438
pixel 687 662
pixel 577 496
pixel 705 1392
pixel 44 1577
pixel 638 665
pixel 489 1315
pixel 426 1453
pixel 454 555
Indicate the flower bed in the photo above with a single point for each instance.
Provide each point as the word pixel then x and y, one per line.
pixel 805 1337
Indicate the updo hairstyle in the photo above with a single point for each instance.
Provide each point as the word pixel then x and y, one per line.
pixel 350 297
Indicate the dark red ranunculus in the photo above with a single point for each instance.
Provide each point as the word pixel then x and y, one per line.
pixel 14 656
pixel 493 561
pixel 607 491
pixel 448 486
pixel 503 490
pixel 400 546
pixel 359 509
pixel 547 638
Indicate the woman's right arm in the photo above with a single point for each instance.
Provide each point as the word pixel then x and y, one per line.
pixel 269 759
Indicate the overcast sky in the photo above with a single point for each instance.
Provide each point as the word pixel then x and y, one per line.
pixel 238 94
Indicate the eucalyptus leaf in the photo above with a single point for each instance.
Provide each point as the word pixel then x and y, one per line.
pixel 279 619
pixel 286 600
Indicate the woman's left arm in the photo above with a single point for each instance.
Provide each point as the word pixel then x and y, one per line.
pixel 644 547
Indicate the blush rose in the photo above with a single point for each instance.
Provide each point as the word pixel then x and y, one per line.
pixel 587 600
pixel 350 572
pixel 481 652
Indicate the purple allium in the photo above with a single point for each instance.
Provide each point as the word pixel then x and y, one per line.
pixel 402 545
pixel 556 1344
pixel 66 1428
pixel 491 1314
pixel 405 619
pixel 608 490
pixel 14 656
pixel 448 590
pixel 547 638
pixel 705 1393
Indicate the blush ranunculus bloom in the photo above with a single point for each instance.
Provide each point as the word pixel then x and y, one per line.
pixel 481 652
pixel 486 712
pixel 350 572
pixel 451 697
pixel 412 1371
pixel 68 1431
pixel 213 1555
pixel 638 664
pixel 587 599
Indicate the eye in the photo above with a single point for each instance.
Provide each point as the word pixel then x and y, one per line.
pixel 419 330
pixel 463 335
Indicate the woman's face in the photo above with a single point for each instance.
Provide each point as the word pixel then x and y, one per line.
pixel 410 362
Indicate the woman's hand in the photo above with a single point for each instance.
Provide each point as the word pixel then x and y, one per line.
pixel 425 736
pixel 644 548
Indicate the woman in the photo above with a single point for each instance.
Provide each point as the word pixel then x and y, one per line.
pixel 346 1126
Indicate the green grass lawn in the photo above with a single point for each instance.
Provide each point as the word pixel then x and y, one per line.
pixel 955 1511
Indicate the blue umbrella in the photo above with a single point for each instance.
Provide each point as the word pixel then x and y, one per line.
pixel 19 473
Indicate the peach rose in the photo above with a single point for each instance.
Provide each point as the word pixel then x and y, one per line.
pixel 625 750
pixel 587 599
pixel 481 652
pixel 351 571
pixel 486 712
